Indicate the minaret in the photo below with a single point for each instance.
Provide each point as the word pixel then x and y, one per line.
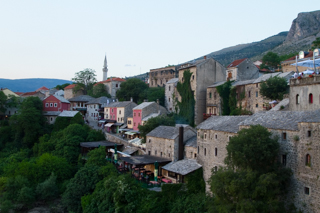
pixel 105 69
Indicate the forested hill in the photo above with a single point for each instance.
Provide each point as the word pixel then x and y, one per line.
pixel 30 84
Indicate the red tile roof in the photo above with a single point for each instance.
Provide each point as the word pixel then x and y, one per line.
pixel 29 93
pixel 236 63
pixel 71 86
pixel 309 55
pixel 19 93
pixel 109 80
pixel 42 88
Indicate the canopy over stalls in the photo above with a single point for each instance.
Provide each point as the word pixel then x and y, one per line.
pixel 308 63
pixel 141 160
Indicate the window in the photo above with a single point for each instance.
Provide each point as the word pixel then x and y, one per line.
pixel 118 119
pixel 198 134
pixel 284 136
pixel 51 104
pixel 284 160
pixel 149 152
pixel 205 136
pixel 119 112
pixel 134 114
pixel 160 154
pixel 47 104
pixel 257 93
pixel 195 155
pixel 107 109
pixel 134 124
pixel 171 174
pixel 215 168
pixel 216 152
pixel 308 160
pixel 51 118
pixel 205 151
pixel 129 121
pixel 257 85
pixel 121 119
pixel 216 136
pixel 306 190
pixel 111 110
pixel 116 85
pixel 210 95
pixel 310 98
pixel 169 88
pixel 214 95
pixel 139 114
pixel 249 94
pixel 297 99
pixel 198 149
pixel 155 152
pixel 169 154
pixel 229 138
pixel 55 104
pixel 257 105
pixel 182 79
pixel 192 77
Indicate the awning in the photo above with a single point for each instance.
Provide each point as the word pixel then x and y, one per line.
pixel 123 126
pixel 109 125
pixel 117 124
pixel 102 121
pixel 130 133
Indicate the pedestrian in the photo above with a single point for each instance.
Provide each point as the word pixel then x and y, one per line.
pixel 295 75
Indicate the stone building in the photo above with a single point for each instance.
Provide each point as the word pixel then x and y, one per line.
pixel 242 69
pixel 69 92
pixel 247 94
pixel 287 67
pixel 297 132
pixel 119 111
pixel 304 93
pixel 190 148
pixel 159 77
pixel 171 94
pixel 112 85
pixel 212 137
pixel 95 107
pixel 163 141
pixel 79 103
pixel 38 94
pixel 205 72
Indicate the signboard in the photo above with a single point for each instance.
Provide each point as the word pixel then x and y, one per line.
pixel 301 54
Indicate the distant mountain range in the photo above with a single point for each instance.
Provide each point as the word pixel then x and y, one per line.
pixel 30 84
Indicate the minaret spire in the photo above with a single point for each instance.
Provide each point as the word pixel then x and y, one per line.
pixel 105 69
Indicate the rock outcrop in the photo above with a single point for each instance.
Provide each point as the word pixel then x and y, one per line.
pixel 305 25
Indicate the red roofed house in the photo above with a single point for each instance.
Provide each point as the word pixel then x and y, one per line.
pixel 34 94
pixel 242 69
pixel 53 105
pixel 112 85
pixel 287 67
pixel 69 92
pixel 42 89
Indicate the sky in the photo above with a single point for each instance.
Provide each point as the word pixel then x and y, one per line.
pixel 57 38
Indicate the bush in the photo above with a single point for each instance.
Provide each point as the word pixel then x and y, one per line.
pixel 48 189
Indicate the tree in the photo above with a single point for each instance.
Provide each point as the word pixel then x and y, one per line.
pixel 152 123
pixel 271 59
pixel 3 102
pixel 132 88
pixel 62 86
pixel 29 121
pixel 85 79
pixel 156 93
pixel 253 180
pixel 224 93
pixel 316 43
pixel 274 88
pixel 186 106
pixel 99 91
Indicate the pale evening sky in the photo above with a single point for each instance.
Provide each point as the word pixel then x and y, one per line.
pixel 55 39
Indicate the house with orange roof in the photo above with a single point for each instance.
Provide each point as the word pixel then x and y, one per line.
pixel 34 94
pixel 69 92
pixel 112 85
pixel 242 69
pixel 286 64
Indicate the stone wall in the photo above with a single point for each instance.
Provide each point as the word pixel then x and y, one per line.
pixel 116 139
pixel 159 77
pixel 300 90
pixel 213 101
pixel 170 96
pixel 247 70
pixel 190 152
pixel 254 101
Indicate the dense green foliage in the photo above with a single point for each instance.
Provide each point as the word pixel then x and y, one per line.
pixel 156 93
pixel 271 60
pixel 62 86
pixel 224 93
pixel 253 181
pixel 287 56
pixel 186 106
pixel 152 123
pixel 3 102
pixel 63 122
pixel 99 90
pixel 274 88
pixel 132 88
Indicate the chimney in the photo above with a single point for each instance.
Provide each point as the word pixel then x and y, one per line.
pixel 180 146
pixel 131 99
pixel 205 57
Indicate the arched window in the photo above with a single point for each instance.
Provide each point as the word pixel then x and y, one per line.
pixel 297 99
pixel 216 151
pixel 205 151
pixel 308 160
pixel 310 98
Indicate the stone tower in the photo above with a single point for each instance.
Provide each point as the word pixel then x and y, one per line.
pixel 105 69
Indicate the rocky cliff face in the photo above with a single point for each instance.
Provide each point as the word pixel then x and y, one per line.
pixel 305 25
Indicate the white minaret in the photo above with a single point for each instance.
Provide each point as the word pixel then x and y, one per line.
pixel 105 69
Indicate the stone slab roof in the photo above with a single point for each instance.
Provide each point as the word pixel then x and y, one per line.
pixel 51 113
pixel 285 103
pixel 286 120
pixel 121 104
pixel 223 123
pixel 192 142
pixel 265 77
pixel 62 99
pixel 82 98
pixel 182 167
pixel 152 115
pixel 98 144
pixel 66 113
pixel 173 80
pixel 168 132
pixel 143 105
pixel 239 83
pixel 217 84
pixel 100 100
